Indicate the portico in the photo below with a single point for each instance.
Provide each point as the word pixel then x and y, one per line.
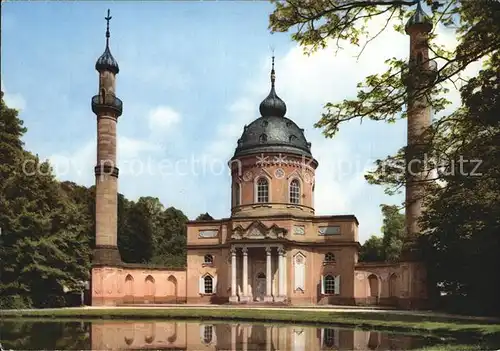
pixel 255 276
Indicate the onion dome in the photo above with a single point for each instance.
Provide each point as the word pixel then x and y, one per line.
pixel 273 132
pixel 272 105
pixel 419 17
pixel 106 62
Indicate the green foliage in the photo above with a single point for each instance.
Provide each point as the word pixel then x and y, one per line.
pixel 393 231
pixel 204 217
pixel 462 220
pixel 372 250
pixel 170 241
pixel 14 302
pixel 149 233
pixel 389 246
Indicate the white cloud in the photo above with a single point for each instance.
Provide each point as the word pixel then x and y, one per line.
pixel 15 101
pixel 162 119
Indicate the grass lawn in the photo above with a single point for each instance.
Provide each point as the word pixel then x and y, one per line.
pixel 379 320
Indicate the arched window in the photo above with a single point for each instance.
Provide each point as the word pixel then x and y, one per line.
pixel 329 284
pixel 393 281
pixel 295 191
pixel 208 334
pixel 373 282
pixel 262 190
pixel 150 286
pixel 236 192
pixel 208 259
pixel 208 284
pixel 329 257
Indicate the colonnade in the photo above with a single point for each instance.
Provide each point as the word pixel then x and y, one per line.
pixel 270 296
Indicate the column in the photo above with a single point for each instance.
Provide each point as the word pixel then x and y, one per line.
pixel 268 338
pixel 245 338
pixel 245 274
pixel 234 297
pixel 233 337
pixel 268 297
pixel 281 275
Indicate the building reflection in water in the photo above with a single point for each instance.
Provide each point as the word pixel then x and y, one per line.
pixel 238 336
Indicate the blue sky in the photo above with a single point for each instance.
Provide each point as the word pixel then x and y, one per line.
pixel 192 74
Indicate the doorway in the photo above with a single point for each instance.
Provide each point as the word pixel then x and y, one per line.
pixel 260 286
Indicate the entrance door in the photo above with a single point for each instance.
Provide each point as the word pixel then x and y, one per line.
pixel 260 285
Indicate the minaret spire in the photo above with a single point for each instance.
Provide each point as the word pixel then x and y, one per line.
pixel 107 18
pixel 273 74
pixel 272 105
pixel 106 62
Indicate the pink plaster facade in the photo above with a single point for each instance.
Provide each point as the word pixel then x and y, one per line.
pixel 132 285
pixel 271 249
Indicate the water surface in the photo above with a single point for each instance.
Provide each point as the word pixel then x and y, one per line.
pixel 184 335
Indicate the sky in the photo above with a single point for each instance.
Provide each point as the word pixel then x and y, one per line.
pixel 192 74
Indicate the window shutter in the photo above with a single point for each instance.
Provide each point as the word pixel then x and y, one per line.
pixel 202 333
pixel 337 285
pixel 202 285
pixel 322 283
pixel 214 289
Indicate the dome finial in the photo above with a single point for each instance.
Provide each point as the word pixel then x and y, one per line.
pixel 107 18
pixel 106 62
pixel 272 105
pixel 273 75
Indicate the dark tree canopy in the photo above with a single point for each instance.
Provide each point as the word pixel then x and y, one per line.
pixel 387 247
pixel 204 217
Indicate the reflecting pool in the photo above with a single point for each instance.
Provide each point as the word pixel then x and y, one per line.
pixel 189 335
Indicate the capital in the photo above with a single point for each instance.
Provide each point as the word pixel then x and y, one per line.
pixel 244 249
pixel 233 251
pixel 268 250
pixel 281 251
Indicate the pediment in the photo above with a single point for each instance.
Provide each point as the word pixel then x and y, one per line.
pixel 258 230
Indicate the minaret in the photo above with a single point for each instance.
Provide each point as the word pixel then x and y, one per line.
pixel 421 73
pixel 108 108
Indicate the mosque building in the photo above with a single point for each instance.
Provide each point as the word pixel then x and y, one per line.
pixel 272 249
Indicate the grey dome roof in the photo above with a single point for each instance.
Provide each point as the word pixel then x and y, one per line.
pixel 273 134
pixel 419 17
pixel 106 62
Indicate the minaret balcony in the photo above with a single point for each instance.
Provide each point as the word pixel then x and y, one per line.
pixel 107 103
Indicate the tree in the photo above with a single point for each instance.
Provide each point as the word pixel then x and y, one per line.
pixel 372 250
pixel 204 217
pixel 388 247
pixel 143 224
pixel 44 234
pixel 393 231
pixel 170 243
pixel 463 218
